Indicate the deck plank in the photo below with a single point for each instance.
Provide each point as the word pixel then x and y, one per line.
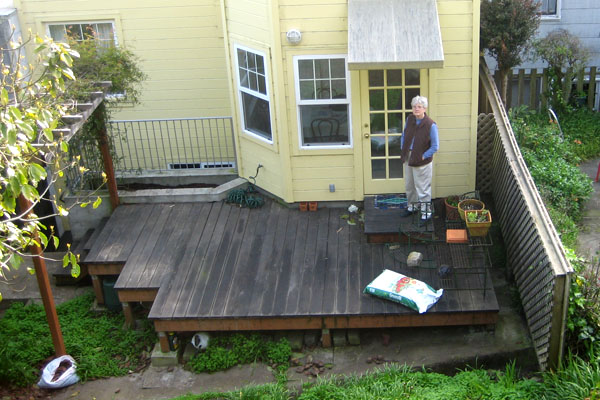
pixel 308 265
pixel 343 274
pixel 294 289
pixel 246 275
pixel 139 261
pixel 227 277
pixel 354 292
pixel 320 266
pixel 208 268
pixel 286 268
pixel 332 270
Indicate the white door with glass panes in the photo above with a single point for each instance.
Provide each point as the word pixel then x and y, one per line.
pixel 385 104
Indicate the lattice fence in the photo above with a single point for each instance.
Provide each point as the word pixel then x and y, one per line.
pixel 534 252
pixel 486 131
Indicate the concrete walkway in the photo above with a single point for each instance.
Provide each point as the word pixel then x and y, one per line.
pixel 588 244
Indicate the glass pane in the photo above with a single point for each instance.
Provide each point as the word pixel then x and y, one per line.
pixel 376 78
pixel 413 77
pixel 394 145
pixel 262 87
pixel 74 31
pixel 323 90
pixel 88 31
pixel 307 90
pixel 396 168
pixel 326 124
pixel 377 123
pixel 305 69
pixel 260 65
pixel 408 96
pixel 395 122
pixel 339 88
pixel 256 115
pixel 252 80
pixel 377 146
pixel 321 69
pixel 338 68
pixel 376 99
pixel 57 32
pixel 394 99
pixel 394 77
pixel 242 59
pixel 244 78
pixel 252 62
pixel 378 169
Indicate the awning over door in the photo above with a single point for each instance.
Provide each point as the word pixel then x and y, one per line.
pixel 385 34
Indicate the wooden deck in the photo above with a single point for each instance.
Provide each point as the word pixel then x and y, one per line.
pixel 215 266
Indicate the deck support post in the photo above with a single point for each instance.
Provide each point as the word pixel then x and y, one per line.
pixel 97 289
pixel 163 340
pixel 128 313
pixel 326 338
pixel 107 160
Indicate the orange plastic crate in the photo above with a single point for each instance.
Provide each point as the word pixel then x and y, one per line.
pixel 456 236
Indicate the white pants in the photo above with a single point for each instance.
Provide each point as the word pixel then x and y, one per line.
pixel 418 184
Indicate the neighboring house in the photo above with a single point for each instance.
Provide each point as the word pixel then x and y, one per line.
pixel 319 91
pixel 581 18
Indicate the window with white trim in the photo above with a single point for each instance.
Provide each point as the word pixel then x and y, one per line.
pixel 549 8
pixel 323 99
pixel 254 93
pixel 103 32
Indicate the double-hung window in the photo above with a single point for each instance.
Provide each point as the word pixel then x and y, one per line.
pixel 550 8
pixel 103 32
pixel 254 93
pixel 323 99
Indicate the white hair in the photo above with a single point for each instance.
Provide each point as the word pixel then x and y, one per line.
pixel 422 100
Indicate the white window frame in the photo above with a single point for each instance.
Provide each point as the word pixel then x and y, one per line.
pixel 300 102
pixel 553 16
pixel 242 89
pixel 85 22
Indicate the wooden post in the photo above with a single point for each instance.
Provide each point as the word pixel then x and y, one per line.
pixel 106 157
pixel 41 273
pixel 592 88
pixel 533 89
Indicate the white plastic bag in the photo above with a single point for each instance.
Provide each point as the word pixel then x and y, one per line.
pixel 52 379
pixel 200 340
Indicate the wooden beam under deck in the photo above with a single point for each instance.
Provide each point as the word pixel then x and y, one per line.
pixel 135 295
pixel 328 322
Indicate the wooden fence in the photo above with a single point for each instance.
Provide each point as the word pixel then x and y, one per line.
pixel 522 83
pixel 535 255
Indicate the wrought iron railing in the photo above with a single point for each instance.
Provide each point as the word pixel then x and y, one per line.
pixel 535 254
pixel 173 144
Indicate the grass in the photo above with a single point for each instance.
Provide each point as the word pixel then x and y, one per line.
pixel 99 344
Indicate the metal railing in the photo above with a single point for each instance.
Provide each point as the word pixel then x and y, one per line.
pixel 535 254
pixel 173 144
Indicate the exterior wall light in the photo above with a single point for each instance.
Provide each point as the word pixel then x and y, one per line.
pixel 293 36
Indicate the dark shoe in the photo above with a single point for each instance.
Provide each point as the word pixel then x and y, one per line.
pixel 406 213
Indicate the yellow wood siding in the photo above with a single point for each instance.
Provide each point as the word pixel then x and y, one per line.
pixel 180 44
pixel 452 99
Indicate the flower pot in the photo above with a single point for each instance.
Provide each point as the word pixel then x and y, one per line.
pixel 469 204
pixel 451 210
pixel 478 228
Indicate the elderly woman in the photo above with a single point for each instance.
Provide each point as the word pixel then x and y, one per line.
pixel 419 143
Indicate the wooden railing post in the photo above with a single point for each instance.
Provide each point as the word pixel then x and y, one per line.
pixel 106 157
pixel 41 273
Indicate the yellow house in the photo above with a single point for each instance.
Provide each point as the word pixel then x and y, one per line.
pixel 318 91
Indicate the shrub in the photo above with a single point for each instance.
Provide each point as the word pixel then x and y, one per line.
pixel 227 350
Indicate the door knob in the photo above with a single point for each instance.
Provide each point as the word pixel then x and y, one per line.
pixel 367 135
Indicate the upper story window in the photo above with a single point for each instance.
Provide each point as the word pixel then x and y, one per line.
pixel 254 93
pixel 323 98
pixel 550 8
pixel 102 32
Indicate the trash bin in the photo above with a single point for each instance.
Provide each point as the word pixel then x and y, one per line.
pixel 111 299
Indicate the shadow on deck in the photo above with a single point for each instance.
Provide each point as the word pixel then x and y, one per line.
pixel 219 267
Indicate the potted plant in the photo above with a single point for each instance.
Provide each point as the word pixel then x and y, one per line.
pixel 469 204
pixel 451 203
pixel 478 222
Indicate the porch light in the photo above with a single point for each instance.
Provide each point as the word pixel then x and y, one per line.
pixel 293 36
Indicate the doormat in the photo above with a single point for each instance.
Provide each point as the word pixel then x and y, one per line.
pixel 390 201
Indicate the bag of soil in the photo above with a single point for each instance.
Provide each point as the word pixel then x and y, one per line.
pixel 402 289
